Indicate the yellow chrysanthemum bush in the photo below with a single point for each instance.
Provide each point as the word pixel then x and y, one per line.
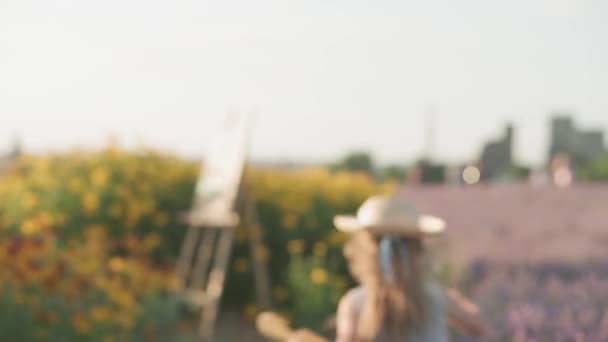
pixel 88 244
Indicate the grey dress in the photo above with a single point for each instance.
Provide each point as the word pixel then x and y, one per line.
pixel 436 321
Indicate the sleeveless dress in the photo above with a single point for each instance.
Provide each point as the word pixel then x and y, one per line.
pixel 436 321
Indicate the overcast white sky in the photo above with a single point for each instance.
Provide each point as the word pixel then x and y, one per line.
pixel 325 76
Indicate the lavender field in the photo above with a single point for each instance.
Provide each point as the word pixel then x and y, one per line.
pixel 535 259
pixel 543 302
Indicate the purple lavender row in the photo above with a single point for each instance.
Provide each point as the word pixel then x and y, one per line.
pixel 542 302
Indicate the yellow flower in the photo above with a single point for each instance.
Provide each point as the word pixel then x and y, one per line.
pixel 76 185
pixel 113 148
pixel 262 253
pixel 295 246
pixel 87 266
pixel 101 314
pixel 115 210
pixel 147 205
pixel 30 200
pixel 121 192
pixel 116 264
pixel 337 238
pixel 241 234
pixel 90 202
pixel 251 311
pixel 289 221
pixel 125 320
pixel 145 188
pixel 45 219
pixel 175 283
pixel 30 227
pixel 95 232
pixel 320 249
pixel 133 215
pixel 341 284
pixel 100 177
pixel 152 241
pixel 60 219
pixel 280 293
pixel 81 323
pixel 241 265
pixel 318 275
pixel 123 298
pixel 161 219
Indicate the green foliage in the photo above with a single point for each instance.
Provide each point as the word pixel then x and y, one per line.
pixel 52 318
pixel 596 171
pixel 393 173
pixel 431 172
pixel 311 278
pixel 518 171
pixel 356 161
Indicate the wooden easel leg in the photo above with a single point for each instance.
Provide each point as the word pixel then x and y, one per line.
pixel 260 270
pixel 215 286
pixel 185 258
pixel 205 252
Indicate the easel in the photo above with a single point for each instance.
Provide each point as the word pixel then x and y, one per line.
pixel 209 239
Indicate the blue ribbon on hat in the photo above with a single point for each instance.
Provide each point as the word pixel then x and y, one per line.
pixel 391 247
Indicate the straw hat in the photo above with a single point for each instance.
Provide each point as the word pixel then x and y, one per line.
pixel 383 215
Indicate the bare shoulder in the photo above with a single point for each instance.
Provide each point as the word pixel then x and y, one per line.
pixel 347 315
pixel 349 300
pixel 354 293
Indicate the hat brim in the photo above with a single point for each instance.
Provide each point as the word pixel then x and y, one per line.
pixel 348 223
pixel 426 226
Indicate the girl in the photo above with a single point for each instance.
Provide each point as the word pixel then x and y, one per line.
pixel 397 300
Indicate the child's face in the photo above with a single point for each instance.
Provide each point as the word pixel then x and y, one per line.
pixel 361 251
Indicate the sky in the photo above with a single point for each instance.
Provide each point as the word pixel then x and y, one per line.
pixel 324 77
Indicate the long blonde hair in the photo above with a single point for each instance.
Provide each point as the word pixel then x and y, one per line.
pixel 397 306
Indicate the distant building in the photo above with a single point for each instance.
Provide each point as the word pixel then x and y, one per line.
pixel 426 171
pixel 582 146
pixel 497 156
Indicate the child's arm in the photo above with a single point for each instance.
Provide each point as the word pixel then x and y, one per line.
pixel 463 313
